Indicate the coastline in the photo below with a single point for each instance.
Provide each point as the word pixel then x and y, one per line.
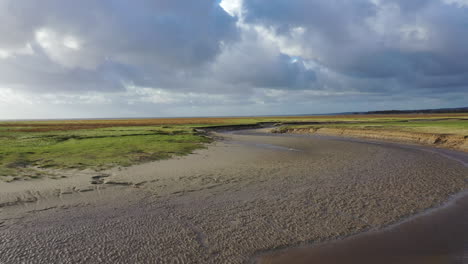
pixel 454 142
pixel 404 242
pixel 275 192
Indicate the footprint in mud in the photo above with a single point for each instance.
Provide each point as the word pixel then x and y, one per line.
pixel 110 182
pixel 138 184
pixel 86 190
pixel 99 179
pixel 103 179
pixel 81 190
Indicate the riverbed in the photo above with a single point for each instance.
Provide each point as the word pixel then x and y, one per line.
pixel 246 196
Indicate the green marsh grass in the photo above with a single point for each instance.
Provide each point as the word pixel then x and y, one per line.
pixel 102 148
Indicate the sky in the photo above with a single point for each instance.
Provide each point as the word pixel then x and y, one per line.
pixel 170 58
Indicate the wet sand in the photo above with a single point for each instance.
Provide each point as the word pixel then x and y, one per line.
pixel 437 237
pixel 247 195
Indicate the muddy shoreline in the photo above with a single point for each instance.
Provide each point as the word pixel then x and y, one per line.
pixel 438 235
pixel 246 194
pixel 455 142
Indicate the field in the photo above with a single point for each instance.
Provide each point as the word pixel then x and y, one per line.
pixel 28 148
pixel 446 126
pixel 25 151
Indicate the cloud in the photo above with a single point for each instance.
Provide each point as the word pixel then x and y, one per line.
pixel 165 57
pixel 81 39
pixel 377 39
pixel 459 3
pixel 256 62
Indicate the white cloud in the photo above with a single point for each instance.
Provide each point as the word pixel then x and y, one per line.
pixel 9 97
pixel 459 3
pixel 232 7
pixel 75 99
pixel 292 44
pixel 66 50
pixel 7 53
pixel 166 97
pixel 71 43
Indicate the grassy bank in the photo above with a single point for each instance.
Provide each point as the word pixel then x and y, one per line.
pixel 451 126
pixel 446 133
pixel 29 147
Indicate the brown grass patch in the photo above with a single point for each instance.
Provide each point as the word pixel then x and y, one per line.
pixel 66 125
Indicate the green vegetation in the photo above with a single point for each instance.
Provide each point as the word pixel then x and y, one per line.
pixel 451 126
pixel 30 147
pixel 24 154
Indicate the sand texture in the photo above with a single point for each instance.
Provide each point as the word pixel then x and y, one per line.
pixel 244 196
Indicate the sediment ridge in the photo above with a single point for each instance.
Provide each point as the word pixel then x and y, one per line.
pixel 455 142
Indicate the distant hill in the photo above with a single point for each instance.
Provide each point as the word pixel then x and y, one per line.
pixel 421 111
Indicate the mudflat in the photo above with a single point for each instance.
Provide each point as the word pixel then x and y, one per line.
pixel 438 236
pixel 242 197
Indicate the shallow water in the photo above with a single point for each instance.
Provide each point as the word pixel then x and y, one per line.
pixel 266 146
pixel 438 237
pixel 459 156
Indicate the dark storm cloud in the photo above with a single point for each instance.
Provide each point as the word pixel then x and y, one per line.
pixel 274 56
pixel 39 73
pixel 411 41
pixel 327 18
pixel 253 63
pixel 173 31
pixel 144 35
